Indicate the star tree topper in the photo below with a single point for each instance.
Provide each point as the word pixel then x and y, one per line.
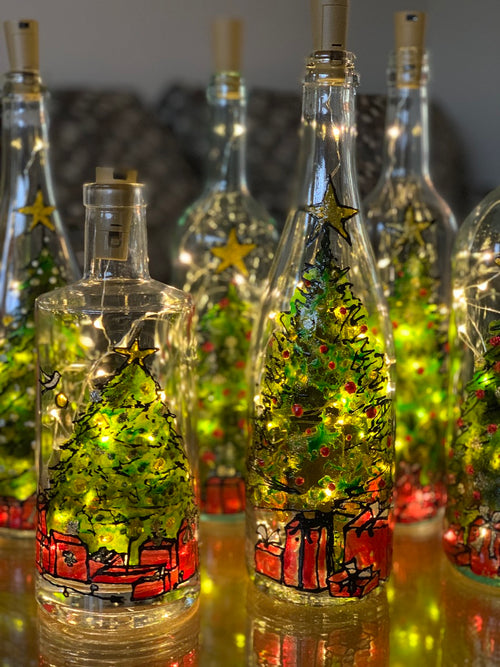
pixel 232 253
pixel 412 229
pixel 332 212
pixel 40 212
pixel 134 353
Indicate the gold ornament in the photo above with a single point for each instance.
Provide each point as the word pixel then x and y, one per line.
pixel 332 212
pixel 134 353
pixel 40 212
pixel 233 253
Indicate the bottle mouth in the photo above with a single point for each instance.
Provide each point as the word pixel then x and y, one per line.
pixel 114 188
pixel 408 67
pixel 332 67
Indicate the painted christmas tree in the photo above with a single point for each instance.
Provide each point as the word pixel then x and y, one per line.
pixel 123 478
pixel 18 385
pixel 224 334
pixel 473 509
pixel 420 333
pixel 322 441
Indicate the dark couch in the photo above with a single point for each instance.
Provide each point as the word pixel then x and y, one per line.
pixel 167 144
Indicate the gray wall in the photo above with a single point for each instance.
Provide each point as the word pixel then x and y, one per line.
pixel 145 45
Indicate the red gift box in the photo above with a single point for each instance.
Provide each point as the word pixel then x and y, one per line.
pixel 149 587
pixel 454 547
pixel 123 575
pixel 112 559
pixel 70 557
pixel 224 495
pixel 269 560
pixel 351 582
pixel 305 555
pixel 368 540
pixel 484 544
pixel 158 554
pixel 187 552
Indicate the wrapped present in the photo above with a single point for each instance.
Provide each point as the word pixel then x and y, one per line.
pixel 148 587
pixel 454 547
pixel 269 560
pixel 305 555
pixel 70 556
pixel 187 552
pixel 124 575
pixel 484 544
pixel 162 553
pixel 104 558
pixel 224 495
pixel 368 540
pixel 352 582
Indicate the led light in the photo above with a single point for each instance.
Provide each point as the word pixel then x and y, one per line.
pixel 185 257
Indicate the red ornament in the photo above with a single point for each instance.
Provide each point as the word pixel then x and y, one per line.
pixel 480 393
pixel 469 469
pixel 350 387
pixel 460 422
pixel 331 365
pixel 496 366
pixel 248 335
pixel 297 410
pixel 218 433
pixel 286 354
pixel 307 283
pixel 323 349
pixel 331 486
pixel 423 292
pixel 371 412
pixel 420 370
pixel 342 310
pixel 299 481
pixel 240 364
pixel 324 451
pixel 208 457
pixel 348 437
pixel 495 341
pixel 476 495
pixel 492 428
pixel 208 346
pixel 395 325
pixel 226 392
pixel 363 328
pixel 224 303
pixel 430 325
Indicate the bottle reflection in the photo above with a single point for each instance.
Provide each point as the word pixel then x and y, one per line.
pixel 355 633
pixel 471 624
pixel 167 644
pixel 17 603
pixel 223 586
pixel 414 594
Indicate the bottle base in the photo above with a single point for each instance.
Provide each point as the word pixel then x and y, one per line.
pixel 423 527
pixel 17 533
pixel 89 612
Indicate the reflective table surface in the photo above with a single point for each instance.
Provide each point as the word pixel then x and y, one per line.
pixel 428 615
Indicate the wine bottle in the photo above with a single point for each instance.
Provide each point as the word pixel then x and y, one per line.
pixel 116 538
pixel 35 258
pixel 412 230
pixel 320 465
pixel 224 255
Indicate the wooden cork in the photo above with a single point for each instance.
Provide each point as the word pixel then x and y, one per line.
pixel 227 38
pixel 409 34
pixel 22 45
pixel 114 175
pixel 329 24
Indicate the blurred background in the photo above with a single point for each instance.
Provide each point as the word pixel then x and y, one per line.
pixel 128 78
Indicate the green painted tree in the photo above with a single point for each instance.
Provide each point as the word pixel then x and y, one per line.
pixel 224 334
pixel 18 380
pixel 123 477
pixel 323 429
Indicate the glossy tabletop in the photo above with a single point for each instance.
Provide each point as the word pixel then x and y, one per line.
pixel 427 616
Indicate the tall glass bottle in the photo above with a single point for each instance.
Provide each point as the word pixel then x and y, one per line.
pixel 35 258
pixel 472 518
pixel 412 231
pixel 320 464
pixel 116 538
pixel 225 253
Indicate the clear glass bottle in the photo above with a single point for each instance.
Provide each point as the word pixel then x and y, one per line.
pixel 117 520
pixel 35 258
pixel 224 256
pixel 320 466
pixel 472 518
pixel 412 230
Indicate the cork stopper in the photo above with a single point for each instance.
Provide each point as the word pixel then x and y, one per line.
pixel 22 45
pixel 227 38
pixel 409 34
pixel 114 175
pixel 329 24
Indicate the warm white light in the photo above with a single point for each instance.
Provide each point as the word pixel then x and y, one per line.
pixel 98 323
pixel 100 373
pixel 384 262
pixel 462 329
pixel 393 131
pixel 185 257
pixel 483 286
pixel 272 315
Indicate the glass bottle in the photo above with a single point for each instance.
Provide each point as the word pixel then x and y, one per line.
pixel 224 255
pixel 35 258
pixel 412 230
pixel 472 518
pixel 320 465
pixel 116 539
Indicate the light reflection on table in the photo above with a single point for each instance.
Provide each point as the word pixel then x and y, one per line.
pixel 428 616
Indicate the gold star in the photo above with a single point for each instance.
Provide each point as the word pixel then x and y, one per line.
pixel 233 253
pixel 40 212
pixel 134 353
pixel 332 212
pixel 412 229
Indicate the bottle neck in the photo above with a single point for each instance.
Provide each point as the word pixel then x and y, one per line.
pixel 226 97
pixel 406 142
pixel 328 129
pixel 115 233
pixel 25 160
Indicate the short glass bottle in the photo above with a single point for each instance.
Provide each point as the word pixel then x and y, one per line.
pixel 35 258
pixel 412 231
pixel 116 539
pixel 224 256
pixel 320 464
pixel 472 519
